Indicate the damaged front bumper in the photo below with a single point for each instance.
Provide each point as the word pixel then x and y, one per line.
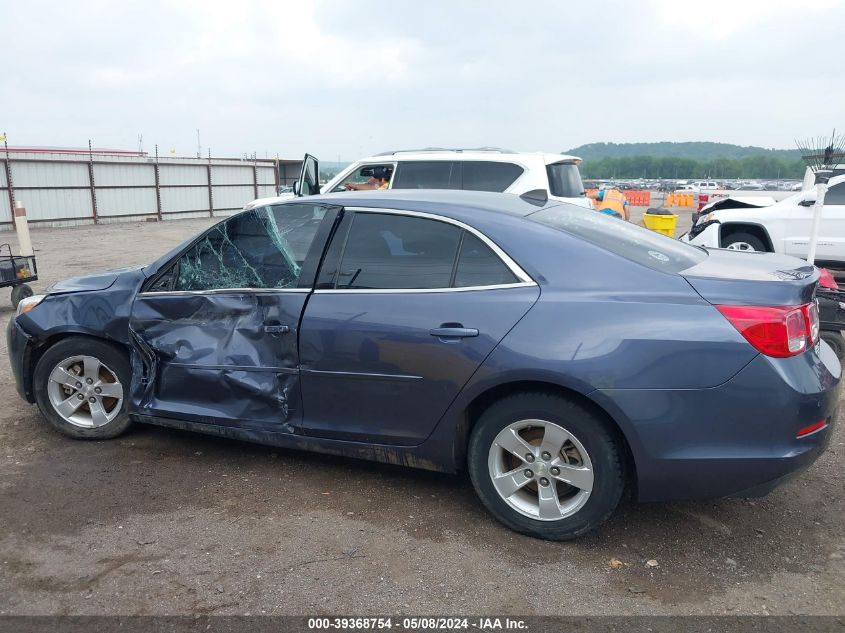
pixel 707 234
pixel 18 343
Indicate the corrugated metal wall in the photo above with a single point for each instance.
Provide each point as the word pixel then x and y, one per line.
pixel 69 189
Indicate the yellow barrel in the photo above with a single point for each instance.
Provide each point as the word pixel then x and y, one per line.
pixel 661 223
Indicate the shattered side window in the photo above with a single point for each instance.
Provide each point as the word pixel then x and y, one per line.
pixel 260 248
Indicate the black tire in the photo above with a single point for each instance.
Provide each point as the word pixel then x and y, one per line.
pixel 19 292
pixel 752 240
pixel 109 355
pixel 836 342
pixel 593 433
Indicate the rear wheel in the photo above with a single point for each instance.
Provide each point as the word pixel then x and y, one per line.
pixel 836 342
pixel 744 242
pixel 81 385
pixel 545 466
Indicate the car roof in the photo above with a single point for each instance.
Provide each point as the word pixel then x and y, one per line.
pixel 488 154
pixel 455 204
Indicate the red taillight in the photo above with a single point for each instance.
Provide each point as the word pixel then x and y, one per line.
pixel 778 331
pixel 811 313
pixel 807 430
pixel 826 279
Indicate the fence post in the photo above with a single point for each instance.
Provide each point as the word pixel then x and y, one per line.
pixel 10 186
pixel 91 182
pixel 210 190
pixel 255 179
pixel 158 186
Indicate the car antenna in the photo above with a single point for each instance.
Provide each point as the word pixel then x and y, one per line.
pixel 537 197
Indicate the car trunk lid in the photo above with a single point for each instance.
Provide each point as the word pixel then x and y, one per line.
pixel 742 278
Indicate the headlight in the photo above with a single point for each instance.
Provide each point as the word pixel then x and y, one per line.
pixel 29 303
pixel 705 218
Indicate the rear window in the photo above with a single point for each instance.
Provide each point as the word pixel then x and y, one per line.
pixel 836 194
pixel 622 238
pixel 479 266
pixel 489 176
pixel 565 180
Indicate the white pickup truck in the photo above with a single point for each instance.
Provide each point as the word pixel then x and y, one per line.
pixel 748 224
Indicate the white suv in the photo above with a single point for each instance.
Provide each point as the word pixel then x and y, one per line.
pixel 744 224
pixel 705 186
pixel 481 169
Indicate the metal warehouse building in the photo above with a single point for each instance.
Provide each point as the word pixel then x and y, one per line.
pixel 67 186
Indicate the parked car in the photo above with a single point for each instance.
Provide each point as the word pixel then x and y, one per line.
pixel 481 169
pixel 704 186
pixel 782 227
pixel 556 354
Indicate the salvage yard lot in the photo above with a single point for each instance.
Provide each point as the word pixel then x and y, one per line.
pixel 164 521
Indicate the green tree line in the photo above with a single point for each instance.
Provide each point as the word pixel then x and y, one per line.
pixel 697 150
pixel 676 167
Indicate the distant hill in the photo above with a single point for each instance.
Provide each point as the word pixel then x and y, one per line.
pixel 686 160
pixel 695 150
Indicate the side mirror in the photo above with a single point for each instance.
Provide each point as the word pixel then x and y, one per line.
pixel 296 188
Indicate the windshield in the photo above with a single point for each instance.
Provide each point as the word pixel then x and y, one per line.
pixel 622 238
pixel 565 180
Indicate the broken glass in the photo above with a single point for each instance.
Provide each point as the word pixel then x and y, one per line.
pixel 260 248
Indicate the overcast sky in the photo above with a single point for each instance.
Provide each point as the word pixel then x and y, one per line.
pixel 347 79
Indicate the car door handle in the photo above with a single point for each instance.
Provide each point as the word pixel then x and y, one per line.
pixel 453 332
pixel 276 329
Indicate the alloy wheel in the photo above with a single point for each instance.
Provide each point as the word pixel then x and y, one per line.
pixel 85 392
pixel 740 246
pixel 540 469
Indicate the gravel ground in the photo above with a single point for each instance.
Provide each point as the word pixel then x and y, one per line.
pixel 166 522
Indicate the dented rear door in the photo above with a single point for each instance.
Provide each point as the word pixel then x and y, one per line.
pixel 216 331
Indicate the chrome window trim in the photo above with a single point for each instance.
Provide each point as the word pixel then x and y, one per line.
pixel 344 291
pixel 524 278
pixel 223 291
pixel 525 281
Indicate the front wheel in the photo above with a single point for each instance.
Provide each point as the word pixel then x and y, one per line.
pixel 744 242
pixel 81 386
pixel 545 466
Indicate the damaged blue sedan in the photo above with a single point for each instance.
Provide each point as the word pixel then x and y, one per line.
pixel 556 354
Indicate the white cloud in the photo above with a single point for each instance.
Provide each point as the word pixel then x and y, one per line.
pixel 720 19
pixel 336 78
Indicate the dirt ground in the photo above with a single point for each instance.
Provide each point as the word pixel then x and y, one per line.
pixel 166 522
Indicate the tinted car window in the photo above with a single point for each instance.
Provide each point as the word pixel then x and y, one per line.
pixel 623 238
pixel 260 248
pixel 478 265
pixel 441 174
pixel 391 251
pixel 835 195
pixel 489 176
pixel 565 180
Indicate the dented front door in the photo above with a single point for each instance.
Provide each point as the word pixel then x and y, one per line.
pixel 220 358
pixel 215 333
